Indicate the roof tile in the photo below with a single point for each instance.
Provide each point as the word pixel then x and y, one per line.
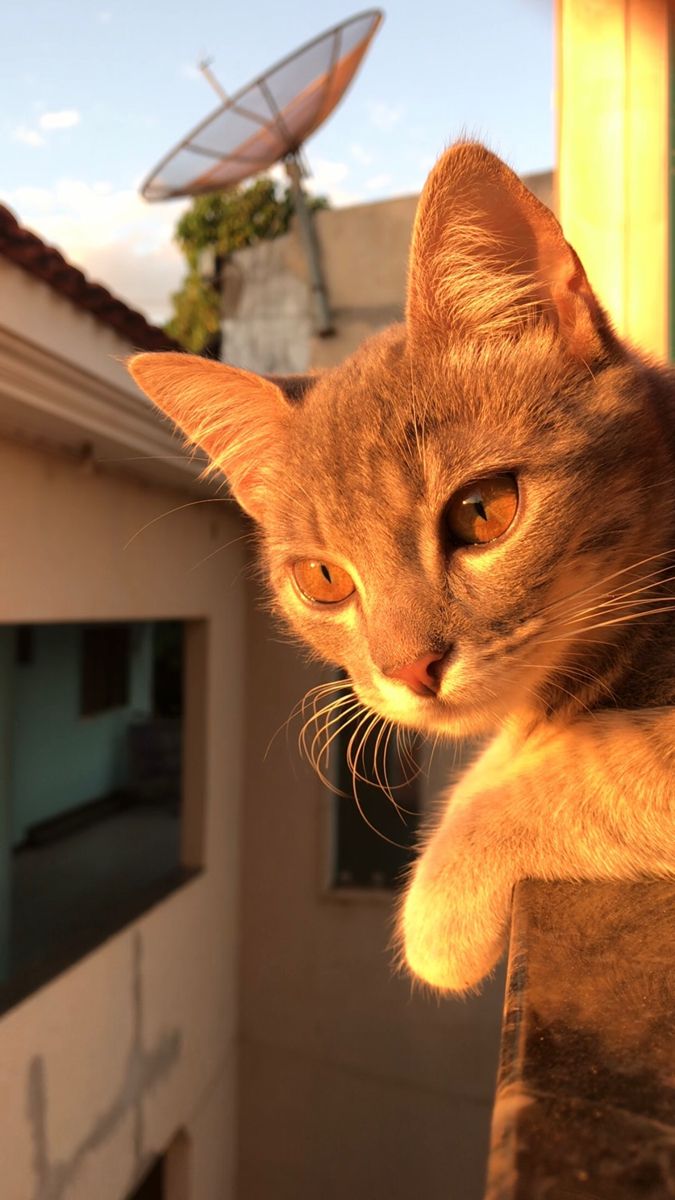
pixel 28 251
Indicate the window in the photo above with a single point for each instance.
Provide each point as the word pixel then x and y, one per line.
pixel 376 813
pixel 90 810
pixel 170 1175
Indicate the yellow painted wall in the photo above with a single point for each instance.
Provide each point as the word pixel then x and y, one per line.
pixel 613 156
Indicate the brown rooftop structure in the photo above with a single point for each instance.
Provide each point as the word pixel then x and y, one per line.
pixel 45 262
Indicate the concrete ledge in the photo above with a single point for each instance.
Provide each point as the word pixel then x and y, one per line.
pixel 585 1104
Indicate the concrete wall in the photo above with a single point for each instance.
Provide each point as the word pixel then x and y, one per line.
pixel 61 759
pixel 101 1068
pixel 267 321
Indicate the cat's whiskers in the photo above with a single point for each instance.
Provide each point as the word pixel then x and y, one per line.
pixel 391 728
pixel 352 755
pixel 335 714
pixel 627 587
pixel 607 579
pixel 219 549
pixel 376 770
pixel 433 751
pixel 408 764
pixel 337 701
pixel 384 785
pixel 400 808
pixel 341 696
pixel 342 722
pixel 628 618
pixel 415 422
pixel 178 508
pixel 352 762
pixel 586 678
pixel 575 699
pixel 621 599
pixel 299 708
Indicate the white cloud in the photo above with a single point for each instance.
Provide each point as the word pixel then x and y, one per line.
pixel 327 179
pixel 105 17
pixel 29 137
pixel 65 118
pixel 385 116
pixel 362 156
pixel 115 237
pixel 279 174
pixel 377 182
pixel 188 70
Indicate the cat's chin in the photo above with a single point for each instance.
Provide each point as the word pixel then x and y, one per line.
pixel 456 720
pixel 433 714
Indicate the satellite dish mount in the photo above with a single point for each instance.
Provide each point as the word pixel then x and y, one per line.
pixel 267 122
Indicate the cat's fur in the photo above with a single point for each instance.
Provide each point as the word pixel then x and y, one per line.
pixel 561 629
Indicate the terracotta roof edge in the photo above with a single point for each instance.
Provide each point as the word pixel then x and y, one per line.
pixel 26 250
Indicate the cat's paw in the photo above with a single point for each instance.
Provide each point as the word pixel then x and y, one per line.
pixel 453 923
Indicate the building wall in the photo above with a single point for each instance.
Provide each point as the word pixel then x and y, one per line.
pixel 104 1066
pixel 61 759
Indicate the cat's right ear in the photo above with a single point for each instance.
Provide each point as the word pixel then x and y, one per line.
pixel 488 260
pixel 239 419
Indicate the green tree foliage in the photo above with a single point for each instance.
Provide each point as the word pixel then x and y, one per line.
pixel 222 222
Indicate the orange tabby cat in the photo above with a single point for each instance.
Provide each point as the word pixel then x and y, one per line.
pixel 473 516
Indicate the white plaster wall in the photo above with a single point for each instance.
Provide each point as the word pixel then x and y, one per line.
pixel 103 1066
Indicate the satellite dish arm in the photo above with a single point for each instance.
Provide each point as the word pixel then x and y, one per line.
pixel 205 68
pixel 324 325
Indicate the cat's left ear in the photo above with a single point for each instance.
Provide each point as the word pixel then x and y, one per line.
pixel 240 419
pixel 488 259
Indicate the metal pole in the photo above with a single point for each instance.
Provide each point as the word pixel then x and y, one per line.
pixel 323 323
pixel 205 68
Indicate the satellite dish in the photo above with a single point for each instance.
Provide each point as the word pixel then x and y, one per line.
pixel 266 122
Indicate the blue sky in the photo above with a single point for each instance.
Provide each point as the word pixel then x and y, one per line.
pixel 93 94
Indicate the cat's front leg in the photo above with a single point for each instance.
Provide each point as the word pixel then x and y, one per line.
pixel 455 914
pixel 594 799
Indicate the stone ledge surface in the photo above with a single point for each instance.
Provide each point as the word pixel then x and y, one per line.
pixel 585 1104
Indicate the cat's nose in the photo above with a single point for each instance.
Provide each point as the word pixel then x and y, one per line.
pixel 423 676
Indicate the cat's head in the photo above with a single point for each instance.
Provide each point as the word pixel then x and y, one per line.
pixel 438 512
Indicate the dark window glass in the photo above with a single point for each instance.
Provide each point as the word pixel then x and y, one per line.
pixel 105 668
pixel 152 1185
pixel 24 645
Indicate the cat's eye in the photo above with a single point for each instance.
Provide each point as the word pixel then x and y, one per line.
pixel 482 511
pixel 322 582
